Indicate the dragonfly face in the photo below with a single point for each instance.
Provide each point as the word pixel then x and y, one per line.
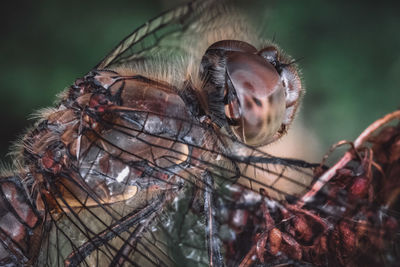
pixel 260 91
pixel 145 160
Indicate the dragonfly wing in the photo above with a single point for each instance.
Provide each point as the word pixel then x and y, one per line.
pixel 145 40
pixel 170 47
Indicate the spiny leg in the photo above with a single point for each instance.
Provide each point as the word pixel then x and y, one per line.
pixel 213 246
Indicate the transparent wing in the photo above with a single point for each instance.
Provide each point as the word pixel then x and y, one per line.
pixel 162 32
pixel 138 186
pixel 147 196
pixel 170 47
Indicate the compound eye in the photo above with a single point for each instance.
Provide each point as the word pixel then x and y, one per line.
pixel 213 60
pixel 271 54
pixel 257 101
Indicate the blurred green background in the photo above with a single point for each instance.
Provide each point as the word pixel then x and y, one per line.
pixel 350 55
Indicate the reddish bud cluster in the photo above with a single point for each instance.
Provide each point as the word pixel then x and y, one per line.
pixel 351 222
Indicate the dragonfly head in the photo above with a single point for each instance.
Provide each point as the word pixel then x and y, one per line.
pixel 259 90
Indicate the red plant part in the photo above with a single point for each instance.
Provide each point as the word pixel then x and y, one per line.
pixel 350 216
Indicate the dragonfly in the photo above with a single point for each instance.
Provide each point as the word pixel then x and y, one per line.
pixel 154 157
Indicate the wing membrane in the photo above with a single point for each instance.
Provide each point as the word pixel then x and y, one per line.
pixel 170 23
pixel 163 223
pixel 106 214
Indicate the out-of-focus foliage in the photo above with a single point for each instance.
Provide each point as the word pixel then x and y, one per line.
pixel 350 55
pixel 350 61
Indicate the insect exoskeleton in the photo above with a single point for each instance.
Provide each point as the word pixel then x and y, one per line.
pixel 258 90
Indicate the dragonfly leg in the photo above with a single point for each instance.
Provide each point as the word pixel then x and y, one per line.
pixel 212 240
pixel 148 213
